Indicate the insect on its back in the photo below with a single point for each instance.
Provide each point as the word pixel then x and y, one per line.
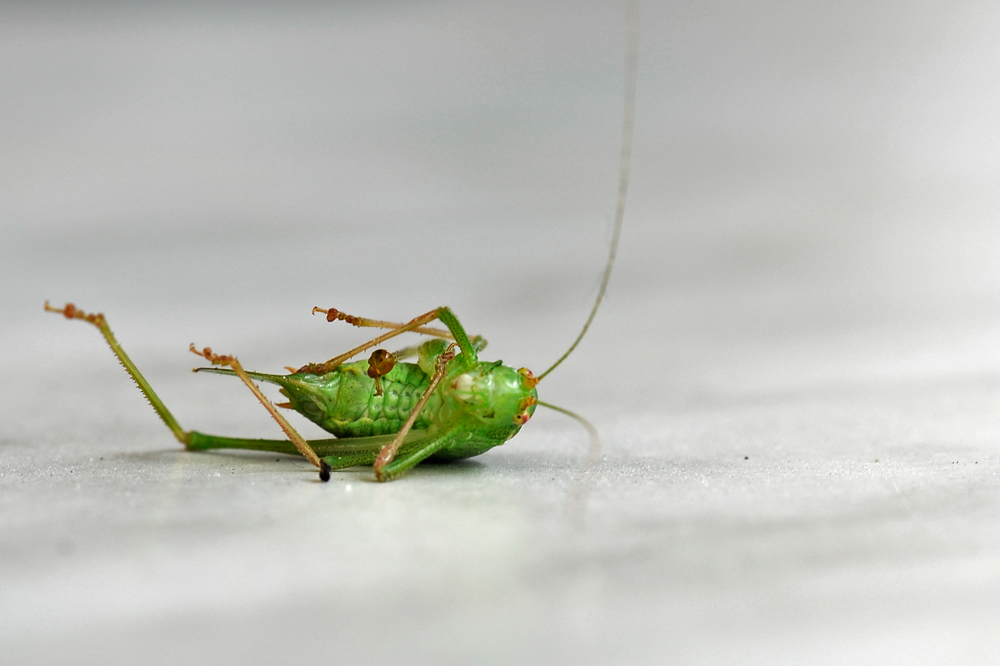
pixel 388 413
pixel 490 401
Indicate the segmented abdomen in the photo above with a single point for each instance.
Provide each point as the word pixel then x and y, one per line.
pixel 343 402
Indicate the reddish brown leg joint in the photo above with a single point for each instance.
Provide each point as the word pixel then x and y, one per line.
pixel 380 363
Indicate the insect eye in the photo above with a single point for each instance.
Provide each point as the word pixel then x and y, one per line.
pixel 524 410
pixel 528 377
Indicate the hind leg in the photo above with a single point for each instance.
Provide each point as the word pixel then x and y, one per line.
pixel 70 311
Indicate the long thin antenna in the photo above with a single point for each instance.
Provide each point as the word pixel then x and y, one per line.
pixel 631 69
pixel 595 438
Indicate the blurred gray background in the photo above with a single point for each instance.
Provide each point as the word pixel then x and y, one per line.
pixel 795 373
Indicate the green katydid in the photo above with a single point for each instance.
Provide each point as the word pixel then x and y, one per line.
pixel 388 414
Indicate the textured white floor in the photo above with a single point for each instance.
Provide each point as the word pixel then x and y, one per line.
pixel 796 373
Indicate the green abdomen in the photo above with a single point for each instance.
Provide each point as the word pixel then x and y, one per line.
pixel 343 402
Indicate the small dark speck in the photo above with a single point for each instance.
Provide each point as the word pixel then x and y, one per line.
pixel 277 460
pixel 746 457
pixel 876 460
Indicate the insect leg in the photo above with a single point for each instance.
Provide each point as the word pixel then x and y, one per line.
pixel 407 460
pixel 356 450
pixel 445 315
pixel 388 452
pixel 300 443
pixel 478 343
pixel 70 311
pixel 333 314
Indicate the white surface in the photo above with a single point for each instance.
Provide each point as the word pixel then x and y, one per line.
pixel 796 374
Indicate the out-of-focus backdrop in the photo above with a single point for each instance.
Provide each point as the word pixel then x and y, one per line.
pixel 796 372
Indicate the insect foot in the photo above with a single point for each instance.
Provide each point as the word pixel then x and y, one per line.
pixel 70 311
pixel 333 314
pixel 214 359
